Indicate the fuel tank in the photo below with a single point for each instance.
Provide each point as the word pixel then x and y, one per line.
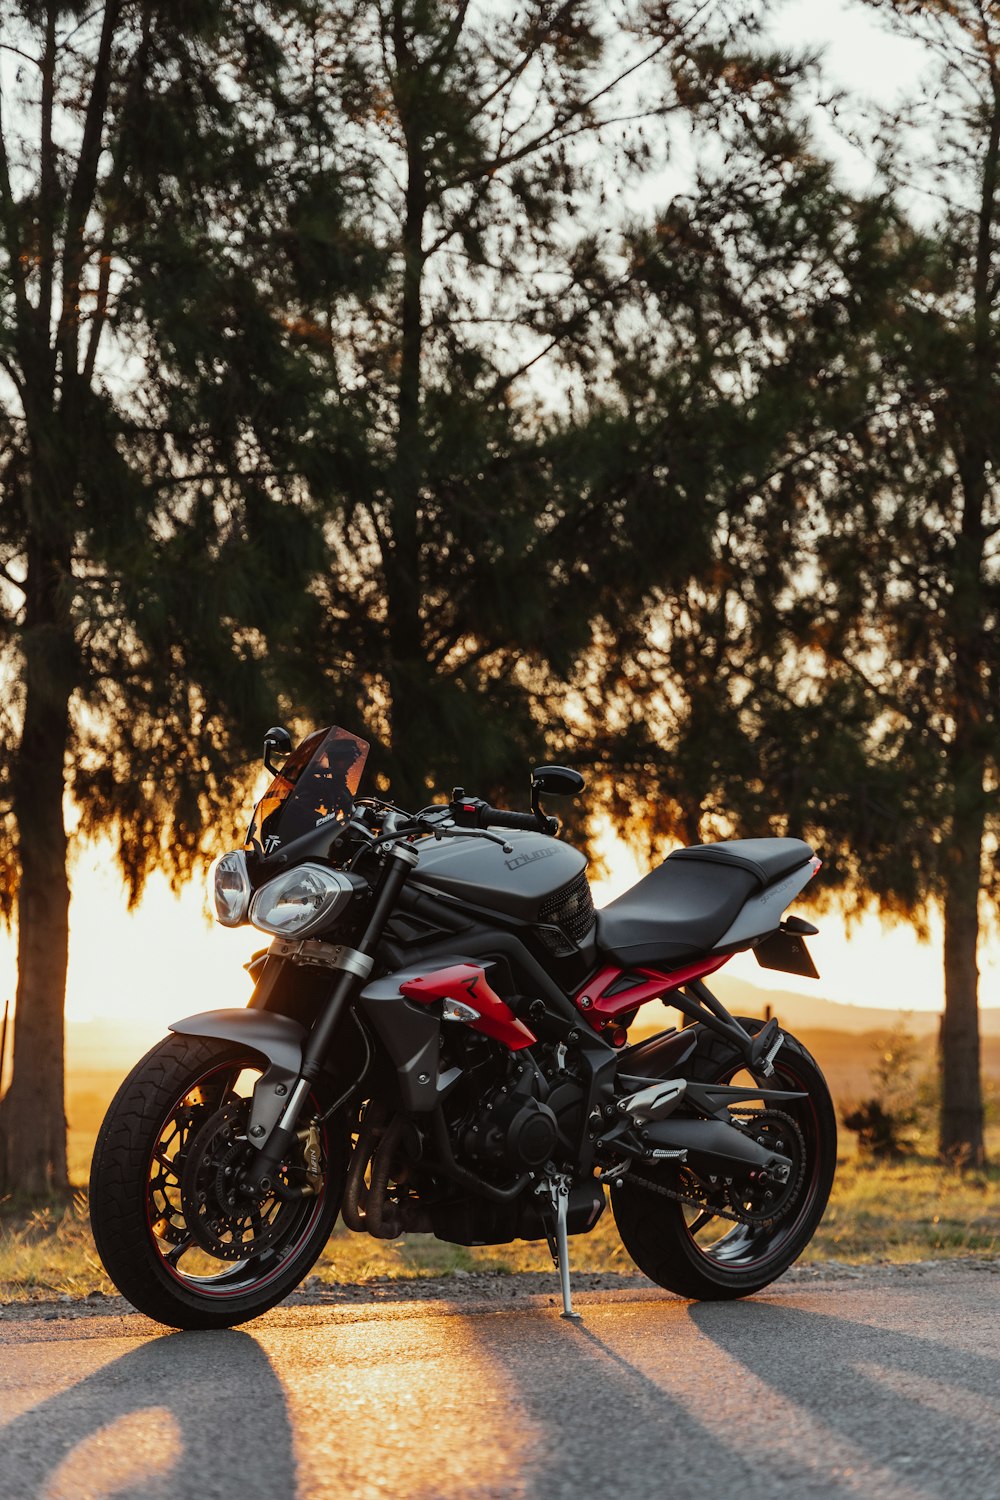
pixel 516 884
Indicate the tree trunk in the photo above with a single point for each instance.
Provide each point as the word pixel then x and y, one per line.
pixel 407 667
pixel 33 1114
pixel 961 1133
pixel 961 1136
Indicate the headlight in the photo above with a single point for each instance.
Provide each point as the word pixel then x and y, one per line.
pixel 303 901
pixel 229 887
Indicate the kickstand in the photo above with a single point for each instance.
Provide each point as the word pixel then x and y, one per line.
pixel 559 1245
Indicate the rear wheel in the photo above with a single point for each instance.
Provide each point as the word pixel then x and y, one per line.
pixel 729 1241
pixel 174 1233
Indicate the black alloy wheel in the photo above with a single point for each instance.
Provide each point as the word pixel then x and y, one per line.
pixel 171 1227
pixel 733 1240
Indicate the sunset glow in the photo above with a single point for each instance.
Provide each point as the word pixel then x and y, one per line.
pixel 166 959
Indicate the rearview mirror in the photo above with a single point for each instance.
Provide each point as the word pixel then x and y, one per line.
pixel 557 781
pixel 277 741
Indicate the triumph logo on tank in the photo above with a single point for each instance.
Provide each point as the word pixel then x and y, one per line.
pixel 527 859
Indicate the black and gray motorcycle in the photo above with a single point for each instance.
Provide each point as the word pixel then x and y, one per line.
pixel 438 1041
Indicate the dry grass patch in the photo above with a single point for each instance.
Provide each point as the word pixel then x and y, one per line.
pixel 49 1252
pixel 911 1210
pixel 897 1212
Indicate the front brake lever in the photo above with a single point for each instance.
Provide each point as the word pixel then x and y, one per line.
pixel 435 830
pixel 471 833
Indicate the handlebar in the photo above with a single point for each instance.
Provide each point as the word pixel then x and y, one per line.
pixel 473 812
pixel 499 817
pixel 467 814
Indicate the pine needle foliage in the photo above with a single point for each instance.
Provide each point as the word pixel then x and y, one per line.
pixel 150 568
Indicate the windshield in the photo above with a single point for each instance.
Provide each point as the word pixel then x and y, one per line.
pixel 317 784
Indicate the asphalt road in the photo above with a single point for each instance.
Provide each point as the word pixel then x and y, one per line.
pixel 883 1385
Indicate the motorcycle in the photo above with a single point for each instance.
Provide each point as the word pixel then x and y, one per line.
pixel 438 1041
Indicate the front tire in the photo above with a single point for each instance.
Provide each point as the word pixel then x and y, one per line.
pixel 694 1253
pixel 140 1192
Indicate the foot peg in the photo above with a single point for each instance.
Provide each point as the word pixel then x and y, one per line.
pixel 766 1046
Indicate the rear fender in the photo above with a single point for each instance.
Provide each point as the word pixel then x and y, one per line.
pixel 762 914
pixel 278 1039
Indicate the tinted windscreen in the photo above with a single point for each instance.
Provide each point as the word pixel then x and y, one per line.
pixel 318 782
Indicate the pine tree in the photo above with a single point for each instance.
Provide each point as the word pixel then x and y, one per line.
pixel 745 340
pixel 830 665
pixel 911 597
pixel 495 148
pixel 148 563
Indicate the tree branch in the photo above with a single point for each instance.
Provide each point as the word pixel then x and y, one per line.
pixel 8 221
pixel 48 195
pixel 111 222
pixel 555 134
pixel 81 195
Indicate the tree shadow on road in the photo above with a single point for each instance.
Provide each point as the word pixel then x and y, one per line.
pixel 793 1404
pixel 217 1420
pixel 598 1424
pixel 916 1405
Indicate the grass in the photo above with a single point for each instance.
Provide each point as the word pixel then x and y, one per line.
pixel 878 1212
pixel 912 1210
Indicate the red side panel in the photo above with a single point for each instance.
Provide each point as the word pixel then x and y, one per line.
pixel 467 983
pixel 598 1006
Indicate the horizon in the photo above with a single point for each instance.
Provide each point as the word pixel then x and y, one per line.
pixel 166 959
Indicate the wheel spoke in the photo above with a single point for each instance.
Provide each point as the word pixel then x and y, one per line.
pixel 174 1255
pixel 202 1135
pixel 705 1217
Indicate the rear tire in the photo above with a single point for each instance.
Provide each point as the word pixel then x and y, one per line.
pixel 135 1209
pixel 657 1231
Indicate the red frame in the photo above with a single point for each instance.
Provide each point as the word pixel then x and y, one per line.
pixel 600 1008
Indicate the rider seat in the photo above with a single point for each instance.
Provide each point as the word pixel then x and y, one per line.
pixel 682 908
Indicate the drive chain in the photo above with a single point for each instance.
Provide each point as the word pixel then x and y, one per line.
pixel 726 1213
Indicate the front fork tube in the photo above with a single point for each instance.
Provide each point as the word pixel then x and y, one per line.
pixel 400 860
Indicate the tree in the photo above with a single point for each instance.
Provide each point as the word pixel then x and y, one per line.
pixel 910 598
pixel 831 665
pixel 744 341
pixel 495 146
pixel 889 1123
pixel 147 397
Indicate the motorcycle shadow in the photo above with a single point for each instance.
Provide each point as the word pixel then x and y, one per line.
pixel 183 1415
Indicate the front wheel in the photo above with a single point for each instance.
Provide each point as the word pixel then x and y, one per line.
pixel 720 1242
pixel 174 1233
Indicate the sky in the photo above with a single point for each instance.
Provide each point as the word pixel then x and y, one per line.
pixel 859 52
pixel 165 960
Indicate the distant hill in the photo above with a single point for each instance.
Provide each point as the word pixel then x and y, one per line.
pixel 813 1013
pixel 116 1045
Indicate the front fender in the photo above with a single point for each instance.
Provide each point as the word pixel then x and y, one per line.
pixel 278 1039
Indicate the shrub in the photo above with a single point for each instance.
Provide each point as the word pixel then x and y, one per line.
pixel 889 1125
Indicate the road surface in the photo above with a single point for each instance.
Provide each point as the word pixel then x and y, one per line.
pixel 882 1384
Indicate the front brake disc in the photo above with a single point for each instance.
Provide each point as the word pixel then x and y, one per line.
pixel 225 1222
